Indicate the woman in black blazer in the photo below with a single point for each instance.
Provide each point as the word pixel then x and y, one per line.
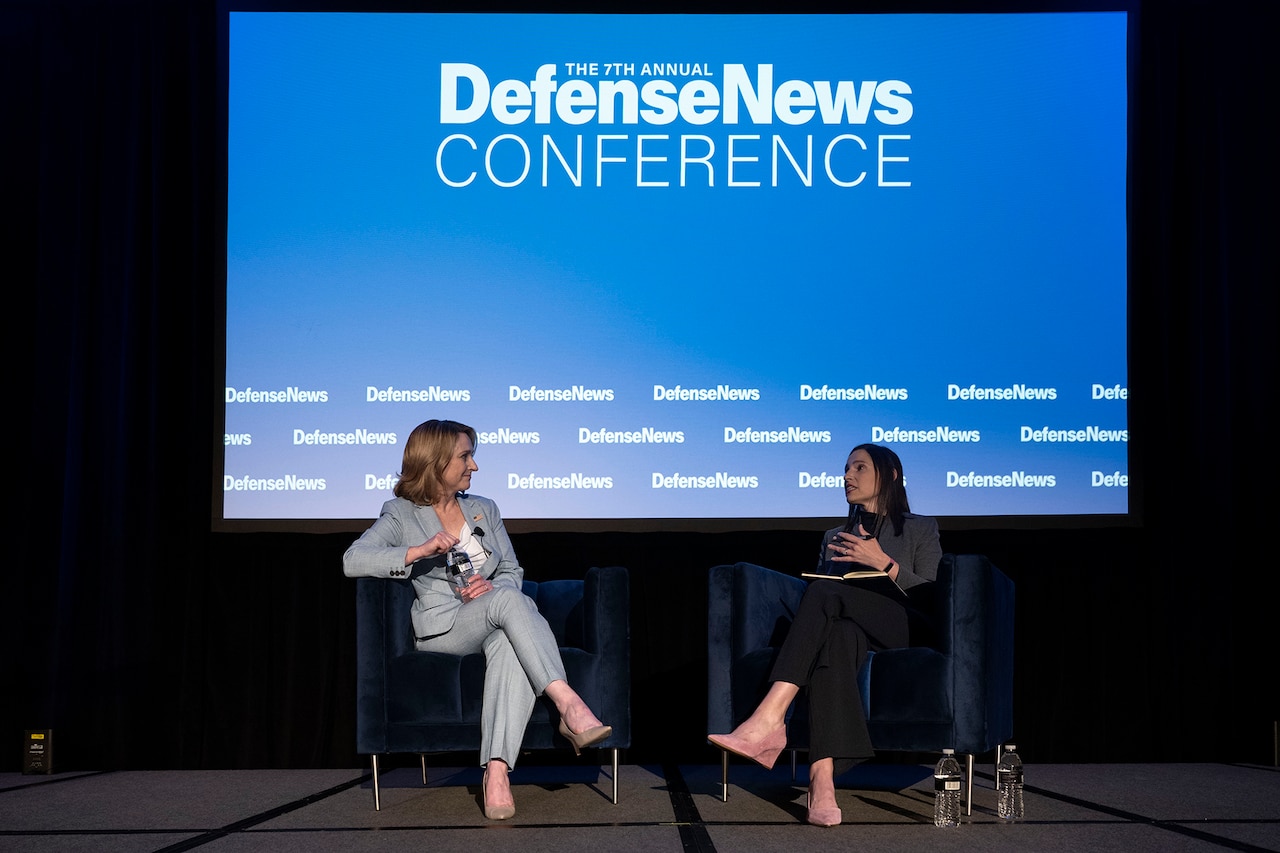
pixel 838 623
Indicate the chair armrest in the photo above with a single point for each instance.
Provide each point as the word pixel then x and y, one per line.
pixel 371 665
pixel 748 609
pixel 982 631
pixel 606 598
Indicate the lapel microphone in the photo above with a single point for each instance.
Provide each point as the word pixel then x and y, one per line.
pixel 478 532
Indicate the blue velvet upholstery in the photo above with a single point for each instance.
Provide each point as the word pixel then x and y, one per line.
pixel 420 702
pixel 958 693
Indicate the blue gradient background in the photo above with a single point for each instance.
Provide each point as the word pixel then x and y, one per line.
pixel 350 263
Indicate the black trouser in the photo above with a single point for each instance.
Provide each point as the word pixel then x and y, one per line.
pixel 836 625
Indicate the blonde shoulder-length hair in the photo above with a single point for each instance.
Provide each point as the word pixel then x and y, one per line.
pixel 426 454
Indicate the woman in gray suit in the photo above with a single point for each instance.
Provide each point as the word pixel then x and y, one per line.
pixel 431 516
pixel 838 623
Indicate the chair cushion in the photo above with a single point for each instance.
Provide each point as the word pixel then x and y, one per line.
pixel 429 687
pixel 560 602
pixel 751 680
pixel 908 685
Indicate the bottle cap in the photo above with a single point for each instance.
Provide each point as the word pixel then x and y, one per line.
pixel 948 752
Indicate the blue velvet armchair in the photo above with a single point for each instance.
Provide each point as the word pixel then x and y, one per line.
pixel 957 693
pixel 409 701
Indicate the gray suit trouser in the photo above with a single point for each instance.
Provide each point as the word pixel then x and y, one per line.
pixel 521 659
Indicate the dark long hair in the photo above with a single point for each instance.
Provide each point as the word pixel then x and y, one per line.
pixel 891 491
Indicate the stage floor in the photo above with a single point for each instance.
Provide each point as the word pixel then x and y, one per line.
pixel 887 808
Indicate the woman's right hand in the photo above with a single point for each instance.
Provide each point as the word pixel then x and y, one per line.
pixel 857 548
pixel 438 544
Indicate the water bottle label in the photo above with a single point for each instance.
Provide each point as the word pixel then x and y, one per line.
pixel 1006 774
pixel 945 783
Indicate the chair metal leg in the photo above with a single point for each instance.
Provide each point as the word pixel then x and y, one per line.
pixel 724 772
pixel 615 775
pixel 422 756
pixel 377 802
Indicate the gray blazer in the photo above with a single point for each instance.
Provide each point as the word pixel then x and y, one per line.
pixel 380 553
pixel 917 551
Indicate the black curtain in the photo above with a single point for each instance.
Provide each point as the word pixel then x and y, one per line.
pixel 146 640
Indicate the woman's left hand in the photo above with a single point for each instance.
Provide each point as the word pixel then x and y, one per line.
pixel 848 548
pixel 475 588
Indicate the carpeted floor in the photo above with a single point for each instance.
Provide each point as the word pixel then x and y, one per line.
pixel 566 809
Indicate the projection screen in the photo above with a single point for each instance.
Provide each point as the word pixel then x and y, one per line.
pixel 674 267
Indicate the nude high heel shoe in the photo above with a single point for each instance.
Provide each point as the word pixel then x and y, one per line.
pixel 585 739
pixel 764 753
pixel 494 812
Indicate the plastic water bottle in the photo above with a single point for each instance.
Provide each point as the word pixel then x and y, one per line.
pixel 1009 784
pixel 461 570
pixel 947 780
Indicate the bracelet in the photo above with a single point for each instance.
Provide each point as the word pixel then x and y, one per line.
pixel 889 567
